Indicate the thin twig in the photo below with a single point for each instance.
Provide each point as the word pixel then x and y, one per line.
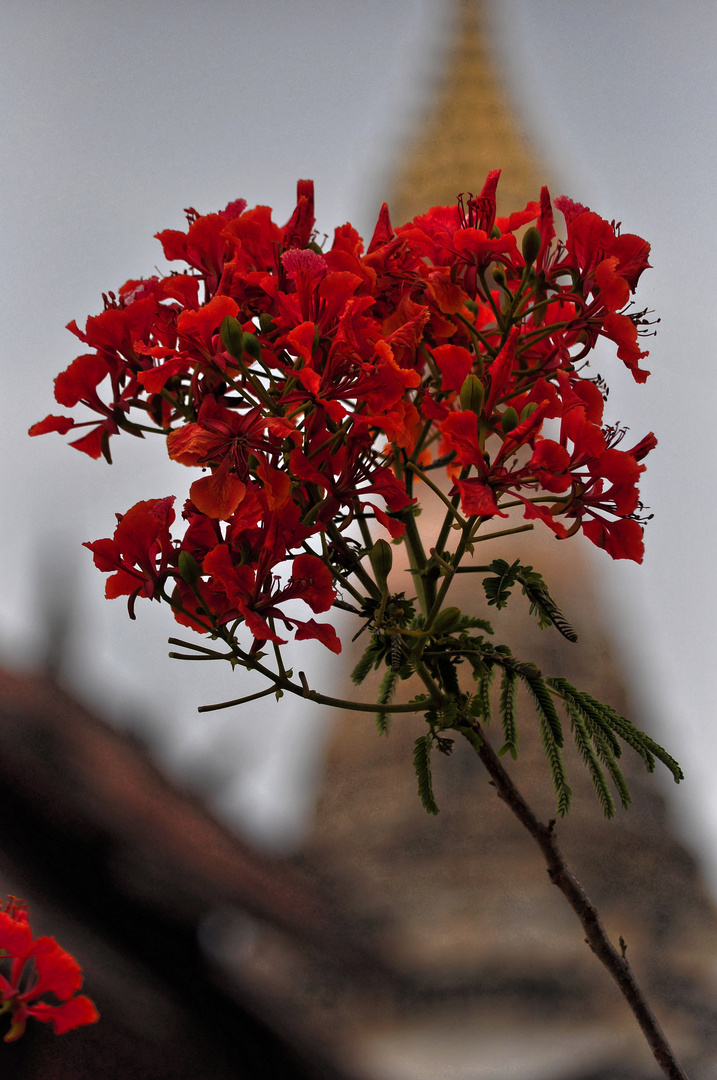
pixel 595 934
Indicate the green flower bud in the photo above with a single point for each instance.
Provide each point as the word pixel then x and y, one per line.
pixel 472 394
pixel 381 558
pixel 509 420
pixel 252 346
pixel 189 568
pixel 446 620
pixel 528 410
pixel 266 323
pixel 232 336
pixel 531 245
pixel 499 275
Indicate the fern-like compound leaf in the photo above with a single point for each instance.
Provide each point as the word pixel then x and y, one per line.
pixel 385 693
pixel 551 735
pixel 422 765
pixel 371 658
pixel 497 588
pixel 544 703
pixel 485 680
pixel 508 691
pixel 582 741
pixel 542 603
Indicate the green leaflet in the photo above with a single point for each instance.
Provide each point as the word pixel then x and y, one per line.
pixel 497 588
pixel 582 741
pixel 388 685
pixel 422 765
pixel 612 724
pixel 506 576
pixel 484 684
pixel 508 691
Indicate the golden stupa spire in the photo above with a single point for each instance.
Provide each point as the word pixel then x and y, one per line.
pixel 469 129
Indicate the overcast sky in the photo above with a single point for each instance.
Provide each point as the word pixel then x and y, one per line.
pixel 114 120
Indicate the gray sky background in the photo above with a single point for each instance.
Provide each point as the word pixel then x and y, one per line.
pixel 114 119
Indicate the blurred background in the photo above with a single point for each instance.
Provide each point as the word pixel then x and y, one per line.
pixel 114 120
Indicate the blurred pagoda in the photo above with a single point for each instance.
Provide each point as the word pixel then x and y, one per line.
pixel 461 905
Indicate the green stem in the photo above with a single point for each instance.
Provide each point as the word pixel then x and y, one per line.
pixel 356 567
pixel 452 509
pixel 448 578
pixel 429 682
pixel 478 339
pixel 411 538
pixel 417 561
pixel 492 536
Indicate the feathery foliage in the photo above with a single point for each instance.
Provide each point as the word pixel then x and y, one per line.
pixel 422 765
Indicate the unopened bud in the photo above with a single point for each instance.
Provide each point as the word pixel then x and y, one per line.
pixel 189 568
pixel 499 276
pixel 472 394
pixel 252 346
pixel 447 620
pixel 509 420
pixel 232 336
pixel 266 323
pixel 381 558
pixel 528 410
pixel 531 245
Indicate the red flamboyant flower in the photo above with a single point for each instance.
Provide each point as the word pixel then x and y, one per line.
pixel 310 387
pixel 139 552
pixel 33 967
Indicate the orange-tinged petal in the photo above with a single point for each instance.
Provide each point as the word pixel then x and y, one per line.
pixel 277 485
pixel 189 444
pixel 219 494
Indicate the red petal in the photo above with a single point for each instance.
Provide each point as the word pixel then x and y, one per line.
pixel 15 935
pixel 57 970
pixel 317 588
pixel 80 380
pixel 323 632
pixel 52 423
pixel 218 495
pixel 621 539
pixel 65 1017
pixel 478 498
pixel 454 363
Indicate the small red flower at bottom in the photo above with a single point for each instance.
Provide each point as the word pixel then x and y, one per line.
pixel 31 967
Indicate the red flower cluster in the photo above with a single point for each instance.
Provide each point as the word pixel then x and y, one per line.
pixel 34 967
pixel 311 386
